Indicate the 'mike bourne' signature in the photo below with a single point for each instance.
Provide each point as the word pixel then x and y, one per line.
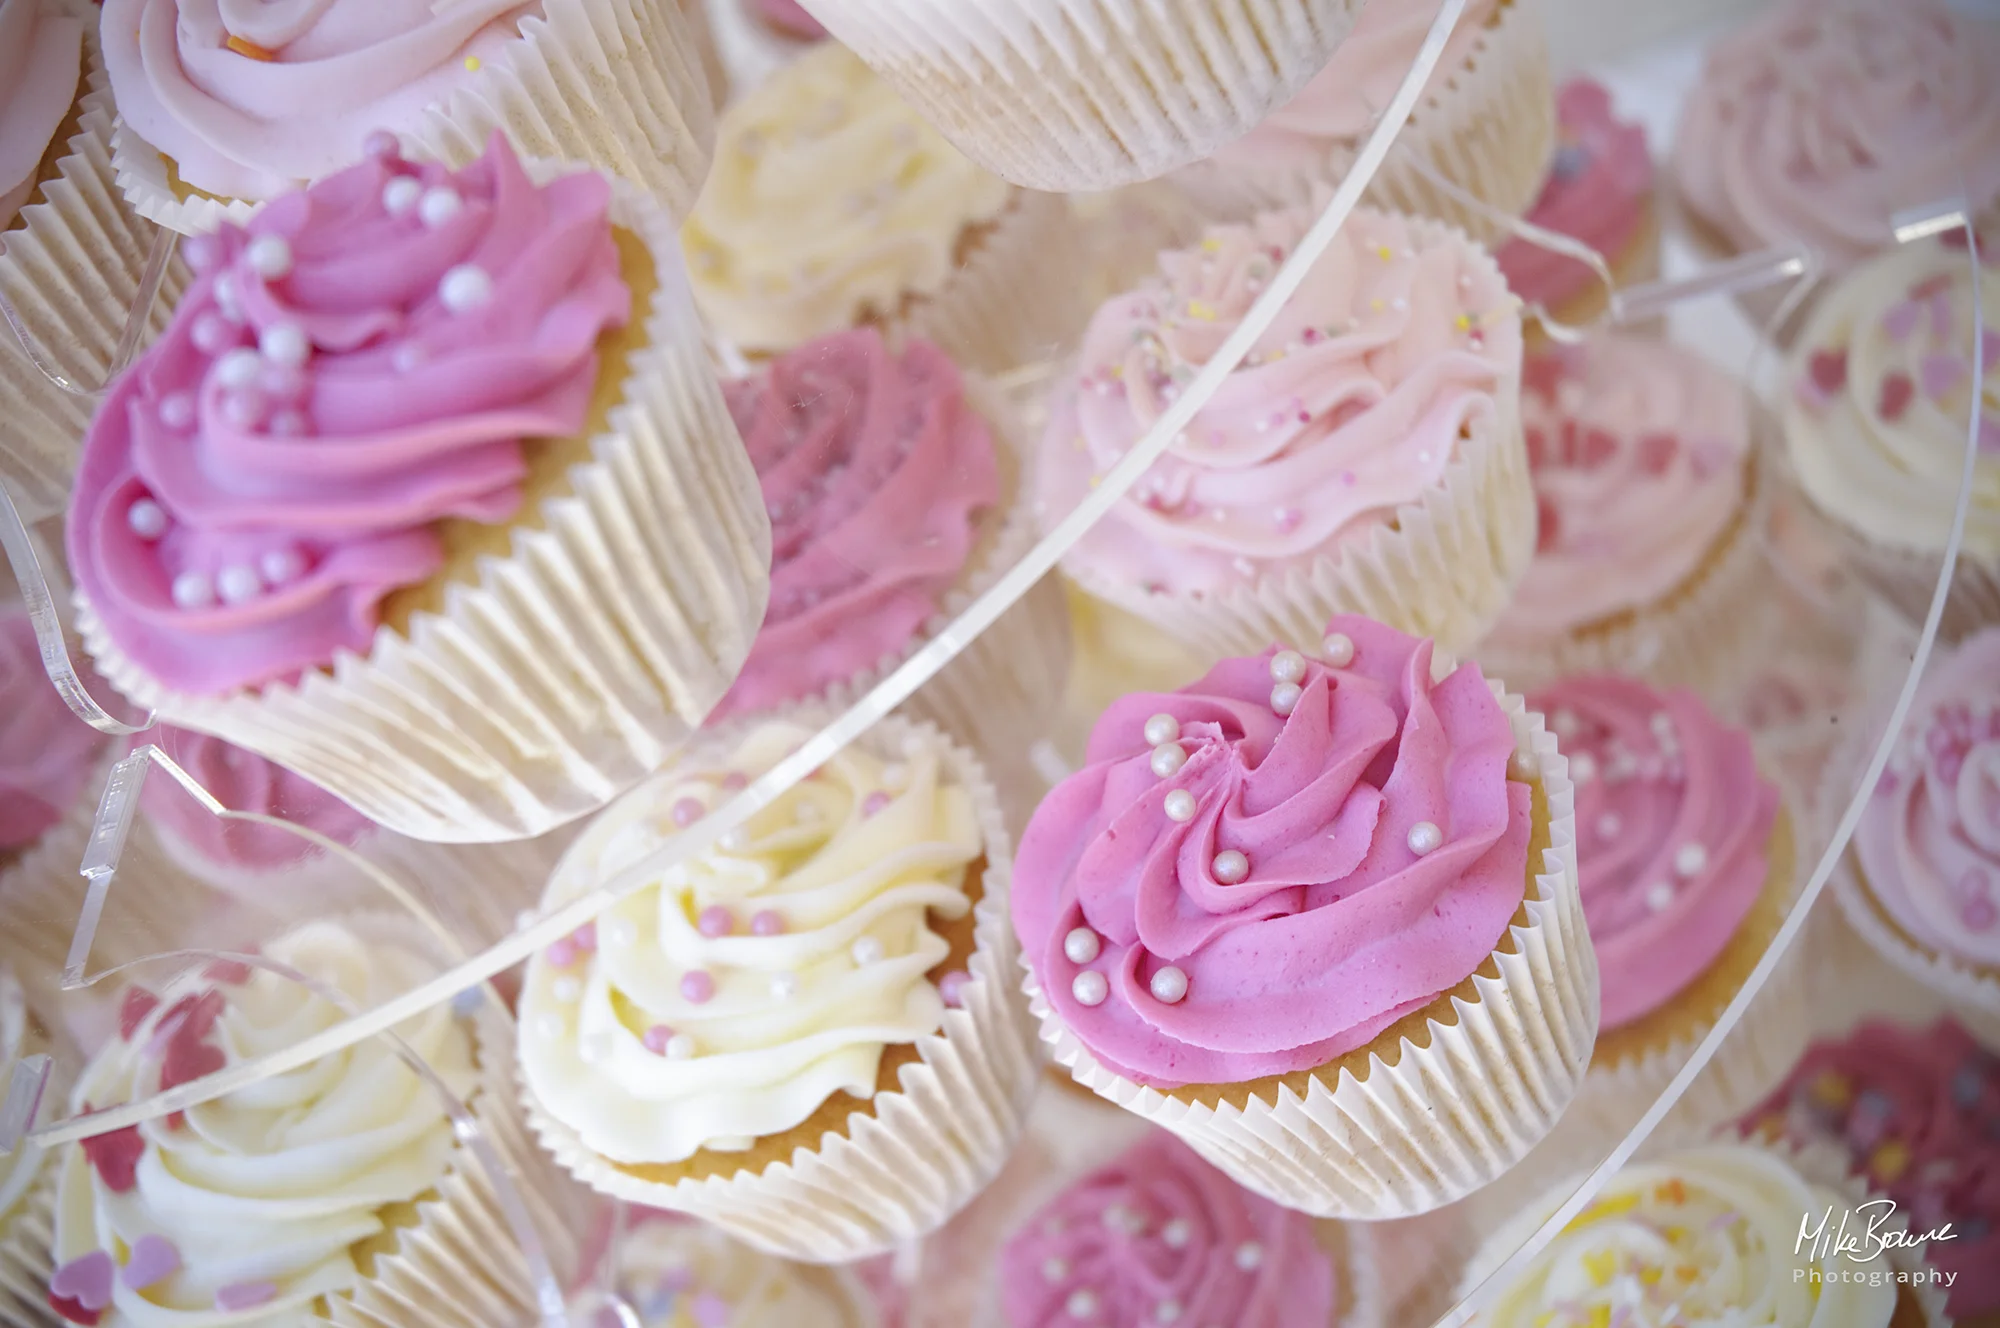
pixel 1862 1246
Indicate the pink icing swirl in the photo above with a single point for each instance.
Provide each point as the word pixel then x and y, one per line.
pixel 1820 119
pixel 250 98
pixel 1597 190
pixel 41 61
pixel 1672 827
pixel 245 782
pixel 1929 840
pixel 47 754
pixel 1160 1236
pixel 271 468
pixel 1338 926
pixel 1401 341
pixel 873 467
pixel 1918 1111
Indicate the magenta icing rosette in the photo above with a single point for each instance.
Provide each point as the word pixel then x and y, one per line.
pixel 47 754
pixel 1160 1236
pixel 1673 823
pixel 874 471
pixel 1918 1112
pixel 1264 870
pixel 241 781
pixel 360 361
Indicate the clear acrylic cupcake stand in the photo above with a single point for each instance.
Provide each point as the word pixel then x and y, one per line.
pixel 1830 635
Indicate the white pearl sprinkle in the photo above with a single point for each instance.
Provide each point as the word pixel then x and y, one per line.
pixel 1054 1269
pixel 1425 838
pixel 1522 765
pixel 465 288
pixel 400 195
pixel 147 519
pixel 1337 650
pixel 285 343
pixel 226 302
pixel 680 1047
pixel 784 986
pixel 1608 825
pixel 1168 758
pixel 1563 723
pixel 239 368
pixel 1230 866
pixel 1582 768
pixel 280 566
pixel 620 934
pixel 1081 945
pixel 1661 723
pixel 192 590
pixel 866 950
pixel 1176 1233
pixel 1089 988
pixel 238 584
pixel 549 1026
pixel 1180 805
pixel 177 410
pixel 1167 1311
pixel 1659 896
pixel 1248 1255
pixel 1285 697
pixel 1170 985
pixel 1082 1304
pixel 1162 729
pixel 1690 859
pixel 734 841
pixel 439 205
pixel 565 989
pixel 1288 666
pixel 269 256
pixel 593 1050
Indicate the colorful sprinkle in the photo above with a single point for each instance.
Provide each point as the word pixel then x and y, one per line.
pixel 252 50
pixel 767 922
pixel 133 1007
pixel 154 1258
pixel 244 1296
pixel 698 986
pixel 1897 393
pixel 86 1280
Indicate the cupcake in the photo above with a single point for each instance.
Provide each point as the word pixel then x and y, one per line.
pixel 1921 879
pixel 1114 653
pixel 336 1192
pixel 71 253
pixel 1651 500
pixel 894 489
pixel 787 18
pixel 1720 1233
pixel 1820 119
pixel 1291 910
pixel 804 1035
pixel 1918 1113
pixel 25 1189
pixel 1880 415
pixel 1366 457
pixel 360 508
pixel 1599 193
pixel 675 1273
pixel 833 204
pixel 224 109
pixel 1483 126
pixel 1688 862
pixel 1158 1236
pixel 1125 91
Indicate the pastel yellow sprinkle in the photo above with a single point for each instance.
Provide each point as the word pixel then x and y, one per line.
pixel 1096 480
pixel 1211 245
pixel 1601 1265
pixel 1600 1315
pixel 471 64
pixel 1687 1272
pixel 1384 252
pixel 1375 305
pixel 1201 311
pixel 1545 1318
pixel 1649 1276
pixel 1603 1208
pixel 1117 371
pixel 1676 1235
pixel 1463 322
pixel 1891 1160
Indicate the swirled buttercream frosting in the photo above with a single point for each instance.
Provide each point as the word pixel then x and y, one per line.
pixel 41 64
pixel 1160 1236
pixel 874 469
pixel 47 754
pixel 249 99
pixel 1709 1236
pixel 1918 1112
pixel 831 203
pixel 1929 839
pixel 730 999
pixel 1819 119
pixel 1264 870
pixel 685 1274
pixel 1673 822
pixel 1598 191
pixel 361 361
pixel 250 1208
pixel 1401 342
pixel 1637 451
pixel 1881 406
pixel 245 782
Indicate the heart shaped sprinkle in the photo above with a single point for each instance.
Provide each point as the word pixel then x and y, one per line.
pixel 244 1296
pixel 87 1280
pixel 116 1157
pixel 154 1258
pixel 133 1007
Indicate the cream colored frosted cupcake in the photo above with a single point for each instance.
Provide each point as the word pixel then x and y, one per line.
pixel 834 204
pixel 676 1273
pixel 26 1180
pixel 809 1034
pixel 1124 90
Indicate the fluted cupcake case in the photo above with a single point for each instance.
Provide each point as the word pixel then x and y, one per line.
pixel 918 1154
pixel 27 1176
pixel 621 87
pixel 1088 94
pixel 1444 1118
pixel 566 671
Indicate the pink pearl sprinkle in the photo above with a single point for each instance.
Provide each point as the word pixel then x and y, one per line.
pixel 381 145
pixel 952 987
pixel 715 920
pixel 1288 519
pixel 585 937
pixel 874 802
pixel 687 811
pixel 698 985
pixel 735 780
pixel 562 952
pixel 656 1039
pixel 767 922
pixel 244 1296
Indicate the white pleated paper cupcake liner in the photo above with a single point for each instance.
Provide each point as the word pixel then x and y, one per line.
pixel 26 1237
pixel 619 86
pixel 572 667
pixel 1443 1119
pixel 1121 91
pixel 1019 295
pixel 1487 127
pixel 1708 634
pixel 926 1149
pixel 71 270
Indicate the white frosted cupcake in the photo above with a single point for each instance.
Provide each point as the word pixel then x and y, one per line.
pixel 1125 90
pixel 807 1035
pixel 26 1181
pixel 676 1273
